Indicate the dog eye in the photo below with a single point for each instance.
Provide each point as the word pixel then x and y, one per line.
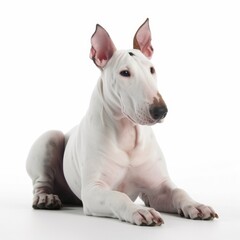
pixel 152 70
pixel 125 73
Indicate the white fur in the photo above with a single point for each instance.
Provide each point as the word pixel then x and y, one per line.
pixel 112 156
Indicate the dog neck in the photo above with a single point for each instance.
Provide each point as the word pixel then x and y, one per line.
pixel 109 114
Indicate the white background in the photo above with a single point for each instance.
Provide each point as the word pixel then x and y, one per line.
pixel 46 80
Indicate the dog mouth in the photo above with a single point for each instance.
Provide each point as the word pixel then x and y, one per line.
pixel 144 115
pixel 143 119
pixel 152 122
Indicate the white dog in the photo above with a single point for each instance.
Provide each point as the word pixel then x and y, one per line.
pixel 112 156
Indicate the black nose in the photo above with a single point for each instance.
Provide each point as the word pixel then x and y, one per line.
pixel 158 112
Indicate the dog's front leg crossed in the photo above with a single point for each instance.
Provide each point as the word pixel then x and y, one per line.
pixel 109 203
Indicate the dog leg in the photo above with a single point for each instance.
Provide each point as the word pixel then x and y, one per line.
pixel 44 166
pixel 189 208
pixel 115 204
pixel 168 198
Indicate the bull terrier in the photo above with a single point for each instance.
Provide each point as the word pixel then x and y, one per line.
pixel 112 157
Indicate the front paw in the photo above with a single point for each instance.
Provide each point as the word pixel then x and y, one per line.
pixel 46 201
pixel 197 211
pixel 145 216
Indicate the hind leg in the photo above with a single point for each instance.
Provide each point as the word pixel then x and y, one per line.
pixel 44 166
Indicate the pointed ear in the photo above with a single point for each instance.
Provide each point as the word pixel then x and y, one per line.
pixel 142 39
pixel 102 47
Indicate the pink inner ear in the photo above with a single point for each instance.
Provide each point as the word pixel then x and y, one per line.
pixel 102 47
pixel 142 39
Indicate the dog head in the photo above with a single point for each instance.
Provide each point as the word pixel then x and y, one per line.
pixel 129 78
